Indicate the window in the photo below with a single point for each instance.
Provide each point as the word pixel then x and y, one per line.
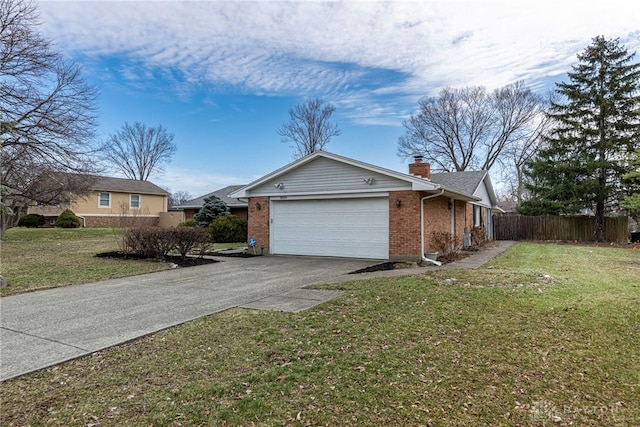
pixel 477 216
pixel 134 201
pixel 104 200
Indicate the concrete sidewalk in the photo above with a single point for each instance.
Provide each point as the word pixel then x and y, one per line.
pixel 475 260
pixel 44 328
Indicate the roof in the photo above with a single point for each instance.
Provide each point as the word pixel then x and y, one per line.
pixel 417 183
pixel 466 182
pixel 222 193
pixel 123 185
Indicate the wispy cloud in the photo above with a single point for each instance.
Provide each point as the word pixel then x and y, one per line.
pixel 382 55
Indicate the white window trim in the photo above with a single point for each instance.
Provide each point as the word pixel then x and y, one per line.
pixel 139 201
pixel 477 216
pixel 99 199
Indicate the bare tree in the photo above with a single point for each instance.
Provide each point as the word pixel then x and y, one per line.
pixel 179 197
pixel 309 127
pixel 520 151
pixel 138 151
pixel 468 128
pixel 47 113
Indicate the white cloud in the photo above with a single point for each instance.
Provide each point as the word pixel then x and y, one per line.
pixel 194 182
pixel 334 47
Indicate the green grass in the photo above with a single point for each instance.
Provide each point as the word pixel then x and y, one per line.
pixel 51 257
pixel 543 335
pixel 32 259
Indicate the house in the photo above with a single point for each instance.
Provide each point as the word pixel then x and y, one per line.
pixel 236 207
pixel 113 202
pixel 328 205
pixel 476 183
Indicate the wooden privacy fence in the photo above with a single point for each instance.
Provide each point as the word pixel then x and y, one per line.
pixel 563 228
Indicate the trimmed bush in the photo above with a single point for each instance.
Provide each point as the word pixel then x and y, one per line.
pixel 152 242
pixel 188 223
pixel 186 238
pixel 68 219
pixel 228 229
pixel 31 221
pixel 156 242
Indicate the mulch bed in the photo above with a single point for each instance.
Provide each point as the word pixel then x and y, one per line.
pixel 174 259
pixel 391 265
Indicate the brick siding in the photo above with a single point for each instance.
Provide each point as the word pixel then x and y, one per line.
pixel 120 221
pixel 404 225
pixel 259 222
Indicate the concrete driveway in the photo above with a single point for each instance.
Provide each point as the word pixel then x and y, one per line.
pixel 43 328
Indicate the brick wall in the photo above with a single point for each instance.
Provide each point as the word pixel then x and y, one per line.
pixel 259 222
pixel 418 168
pixel 437 217
pixel 404 225
pixel 119 221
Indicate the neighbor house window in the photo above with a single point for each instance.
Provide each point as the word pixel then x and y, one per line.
pixel 134 201
pixel 104 200
pixel 477 217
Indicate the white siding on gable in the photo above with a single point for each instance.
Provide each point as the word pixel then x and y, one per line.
pixel 482 192
pixel 324 176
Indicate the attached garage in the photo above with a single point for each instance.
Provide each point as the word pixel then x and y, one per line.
pixel 328 205
pixel 345 227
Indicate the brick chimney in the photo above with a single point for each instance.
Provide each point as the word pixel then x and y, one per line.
pixel 417 168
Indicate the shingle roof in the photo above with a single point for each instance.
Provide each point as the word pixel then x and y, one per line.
pixel 222 193
pixel 123 185
pixel 465 182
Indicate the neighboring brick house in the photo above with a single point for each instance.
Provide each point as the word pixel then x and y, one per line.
pixel 236 207
pixel 328 205
pixel 112 202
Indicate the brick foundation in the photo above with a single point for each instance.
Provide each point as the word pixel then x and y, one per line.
pixel 120 221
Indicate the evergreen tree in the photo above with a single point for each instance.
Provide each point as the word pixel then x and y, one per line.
pixel 596 126
pixel 212 208
pixel 631 201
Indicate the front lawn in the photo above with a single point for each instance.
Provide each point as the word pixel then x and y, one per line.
pixel 34 258
pixel 543 335
pixel 40 258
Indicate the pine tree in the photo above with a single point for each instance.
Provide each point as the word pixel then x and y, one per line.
pixel 631 201
pixel 596 126
pixel 212 208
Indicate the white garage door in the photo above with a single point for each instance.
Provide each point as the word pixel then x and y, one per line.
pixel 356 228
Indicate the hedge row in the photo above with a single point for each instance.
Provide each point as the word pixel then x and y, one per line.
pixel 156 242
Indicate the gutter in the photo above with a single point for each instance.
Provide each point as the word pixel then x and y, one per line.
pixel 424 258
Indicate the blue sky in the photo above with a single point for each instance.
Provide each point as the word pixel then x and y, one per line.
pixel 221 75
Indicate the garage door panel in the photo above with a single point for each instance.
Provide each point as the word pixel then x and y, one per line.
pixel 340 227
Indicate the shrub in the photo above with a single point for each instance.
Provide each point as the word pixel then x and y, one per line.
pixel 31 221
pixel 442 241
pixel 152 242
pixel 68 219
pixel 185 238
pixel 156 242
pixel 228 228
pixel 188 223
pixel 478 235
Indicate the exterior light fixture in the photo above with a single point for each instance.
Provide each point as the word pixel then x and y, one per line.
pixel 450 205
pixel 258 206
pixel 279 186
pixel 398 202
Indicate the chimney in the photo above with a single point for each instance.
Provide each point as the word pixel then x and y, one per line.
pixel 417 168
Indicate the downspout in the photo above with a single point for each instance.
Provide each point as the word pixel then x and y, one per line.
pixel 452 203
pixel 424 258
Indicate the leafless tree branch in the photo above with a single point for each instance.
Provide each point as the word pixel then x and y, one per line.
pixel 309 127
